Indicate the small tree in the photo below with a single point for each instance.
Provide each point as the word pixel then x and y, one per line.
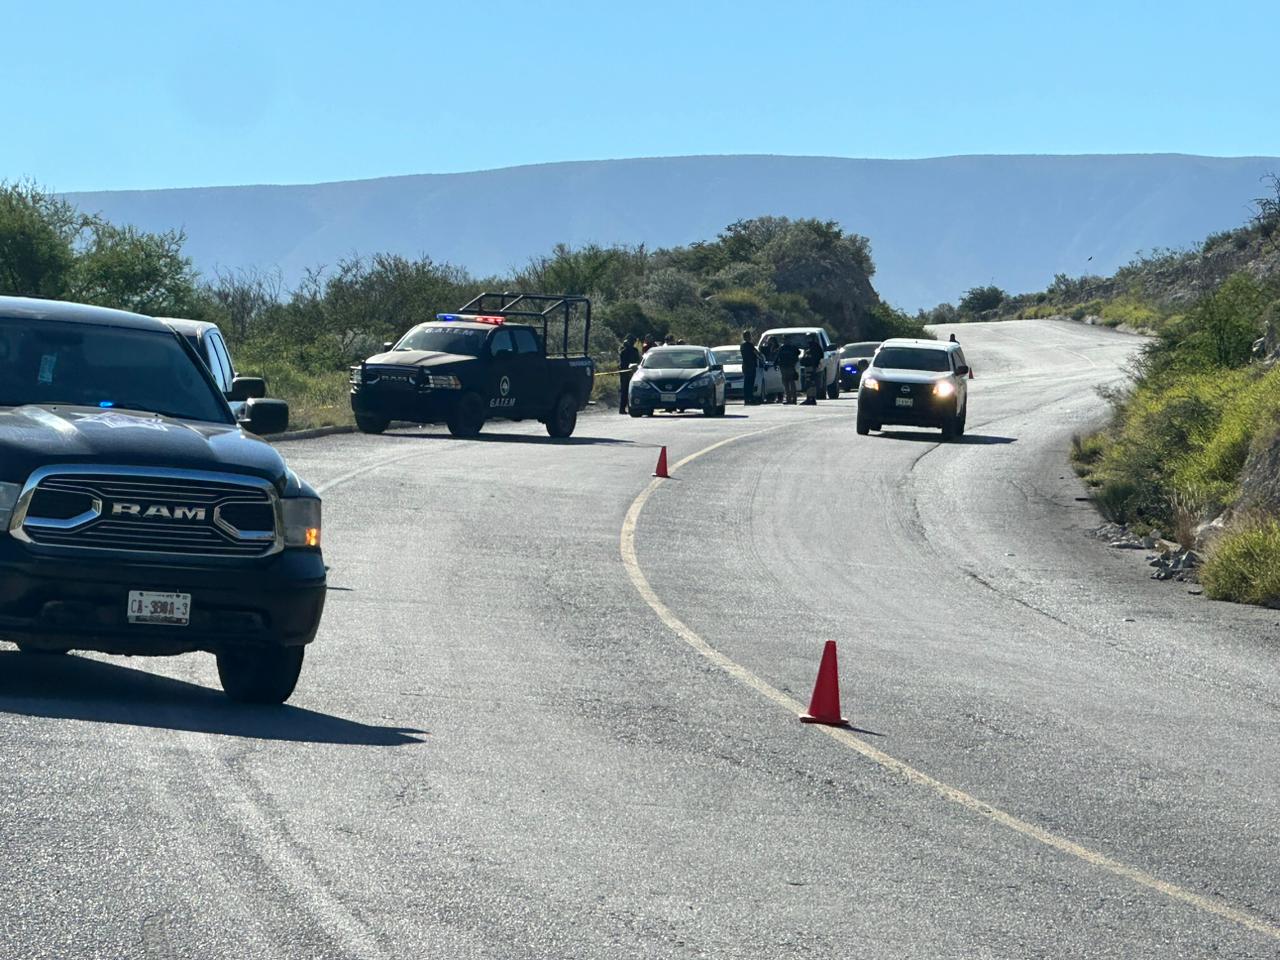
pixel 981 299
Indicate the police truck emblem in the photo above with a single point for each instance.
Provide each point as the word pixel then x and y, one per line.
pixel 504 386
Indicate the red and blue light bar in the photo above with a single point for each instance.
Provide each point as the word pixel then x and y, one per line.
pixel 470 318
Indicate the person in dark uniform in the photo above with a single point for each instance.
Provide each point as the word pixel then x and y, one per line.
pixel 628 358
pixel 788 357
pixel 812 364
pixel 750 358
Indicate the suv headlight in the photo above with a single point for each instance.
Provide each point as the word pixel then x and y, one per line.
pixel 944 388
pixel 871 383
pixel 301 522
pixel 8 497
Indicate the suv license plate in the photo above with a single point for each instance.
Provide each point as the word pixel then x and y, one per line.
pixel 906 401
pixel 668 398
pixel 167 609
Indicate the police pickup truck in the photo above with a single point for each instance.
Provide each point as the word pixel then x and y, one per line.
pixel 137 516
pixel 492 359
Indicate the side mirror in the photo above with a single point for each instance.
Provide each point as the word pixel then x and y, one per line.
pixel 962 371
pixel 717 366
pixel 265 416
pixel 387 345
pixel 247 388
pixel 863 363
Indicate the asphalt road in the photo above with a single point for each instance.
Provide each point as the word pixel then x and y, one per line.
pixel 549 712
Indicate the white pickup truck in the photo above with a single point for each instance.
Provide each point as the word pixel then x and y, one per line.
pixel 829 372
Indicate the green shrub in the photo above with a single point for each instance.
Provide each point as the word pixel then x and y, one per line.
pixel 1244 563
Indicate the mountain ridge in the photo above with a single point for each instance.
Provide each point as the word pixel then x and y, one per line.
pixel 937 225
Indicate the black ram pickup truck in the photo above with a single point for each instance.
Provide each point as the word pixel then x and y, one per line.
pixel 137 516
pixel 490 360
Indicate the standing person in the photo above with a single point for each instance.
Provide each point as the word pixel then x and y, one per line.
pixel 628 358
pixel 649 344
pixel 750 357
pixel 788 357
pixel 812 364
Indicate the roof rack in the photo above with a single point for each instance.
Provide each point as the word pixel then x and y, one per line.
pixel 537 306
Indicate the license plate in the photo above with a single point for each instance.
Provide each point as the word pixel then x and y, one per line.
pixel 168 609
pixel 906 401
pixel 668 398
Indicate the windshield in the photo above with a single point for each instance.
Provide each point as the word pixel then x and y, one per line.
pixel 912 358
pixel 726 355
pixel 859 349
pixel 799 340
pixel 444 338
pixel 73 364
pixel 675 360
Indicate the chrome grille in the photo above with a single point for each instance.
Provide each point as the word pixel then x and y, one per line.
pixel 140 510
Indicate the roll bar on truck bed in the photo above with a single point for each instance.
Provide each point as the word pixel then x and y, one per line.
pixel 538 307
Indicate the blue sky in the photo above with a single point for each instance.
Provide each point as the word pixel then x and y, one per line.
pixel 124 95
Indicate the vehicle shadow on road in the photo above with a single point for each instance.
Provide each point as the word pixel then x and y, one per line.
pixel 932 436
pixel 516 438
pixel 78 688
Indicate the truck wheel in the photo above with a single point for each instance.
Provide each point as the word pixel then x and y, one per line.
pixel 467 417
pixel 564 417
pixel 636 413
pixel 864 425
pixel 371 423
pixel 950 424
pixel 260 675
pixel 833 389
pixel 960 422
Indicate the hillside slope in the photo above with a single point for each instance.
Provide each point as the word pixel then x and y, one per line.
pixel 937 226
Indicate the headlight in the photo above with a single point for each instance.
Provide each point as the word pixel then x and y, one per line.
pixel 848 369
pixel 301 522
pixel 944 388
pixel 357 375
pixel 8 497
pixel 703 380
pixel 871 383
pixel 443 381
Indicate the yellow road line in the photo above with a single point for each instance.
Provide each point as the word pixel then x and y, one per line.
pixel 947 792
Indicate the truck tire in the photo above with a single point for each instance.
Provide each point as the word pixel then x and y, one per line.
pixel 833 389
pixel 371 423
pixel 950 427
pixel 264 675
pixel 467 418
pixel 564 417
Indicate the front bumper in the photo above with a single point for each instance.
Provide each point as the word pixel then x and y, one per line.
pixel 414 406
pixel 80 604
pixel 925 411
pixel 644 397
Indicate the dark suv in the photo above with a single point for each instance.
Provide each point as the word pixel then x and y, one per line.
pixel 136 515
pixel 921 383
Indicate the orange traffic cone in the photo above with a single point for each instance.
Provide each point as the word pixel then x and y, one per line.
pixel 824 705
pixel 661 469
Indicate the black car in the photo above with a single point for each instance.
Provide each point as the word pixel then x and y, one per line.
pixel 481 363
pixel 850 354
pixel 137 516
